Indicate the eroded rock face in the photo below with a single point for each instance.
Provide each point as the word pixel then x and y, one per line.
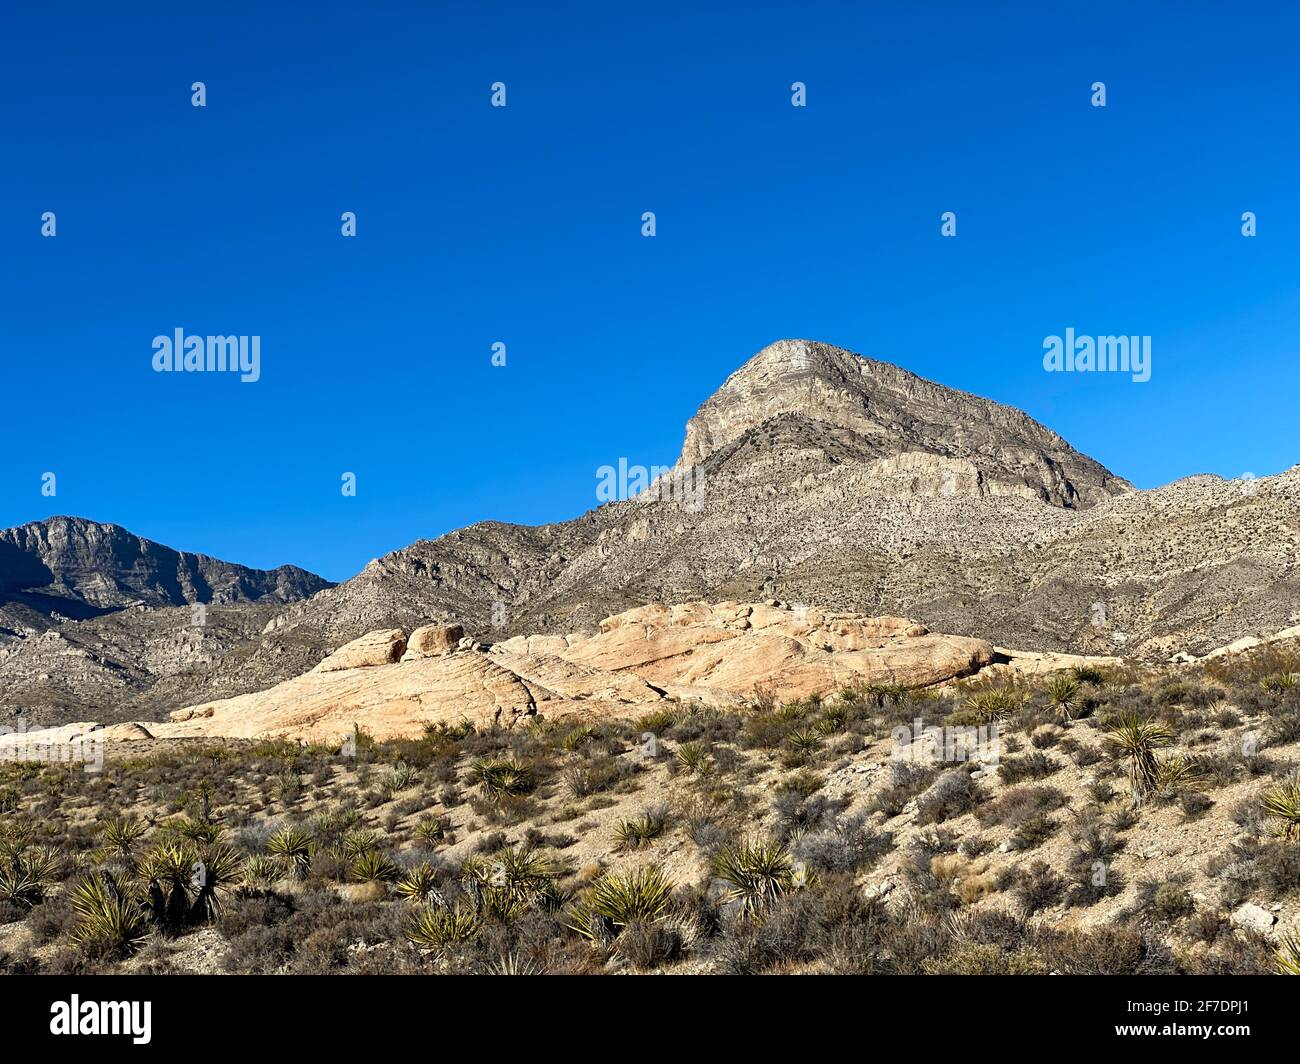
pixel 373 648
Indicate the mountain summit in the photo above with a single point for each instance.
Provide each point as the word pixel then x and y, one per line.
pixel 813 395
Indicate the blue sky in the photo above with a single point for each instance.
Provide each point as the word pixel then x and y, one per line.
pixel 522 225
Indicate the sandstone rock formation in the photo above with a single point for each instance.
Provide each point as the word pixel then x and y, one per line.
pixel 433 640
pixel 715 653
pixel 371 649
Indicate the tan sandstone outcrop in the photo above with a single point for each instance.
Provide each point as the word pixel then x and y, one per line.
pixel 433 640
pixel 715 653
pixel 372 649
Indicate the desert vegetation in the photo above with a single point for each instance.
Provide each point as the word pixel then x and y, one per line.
pixel 1133 821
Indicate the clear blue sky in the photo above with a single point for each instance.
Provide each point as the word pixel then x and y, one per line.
pixel 522 225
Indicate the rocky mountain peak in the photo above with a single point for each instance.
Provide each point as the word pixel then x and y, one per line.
pixel 877 411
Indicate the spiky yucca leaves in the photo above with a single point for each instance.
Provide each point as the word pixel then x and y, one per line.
pixel 167 871
pixel 758 871
pixel 502 777
pixel 355 843
pixel 431 830
pixel 634 833
pixel 1064 696
pixel 1279 682
pixel 440 927
pixel 615 900
pixel 1175 772
pixel 261 872
pixel 293 846
pixel 1288 955
pixel 578 737
pixel 25 877
pixel 373 866
pixel 193 829
pixel 110 923
pixel 883 694
pixel 514 964
pixel 694 758
pixel 15 837
pixel 511 880
pixel 122 835
pixel 804 740
pixel 419 883
pixel 218 871
pixel 994 704
pixel 1281 802
pixel 1137 740
pixel 1089 674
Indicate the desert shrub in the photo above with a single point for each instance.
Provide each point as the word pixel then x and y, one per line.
pixel 1113 949
pixel 1036 886
pixel 1195 803
pixel 1032 766
pixel 1019 804
pixel 955 792
pixel 977 958
pixel 849 845
pixel 907 780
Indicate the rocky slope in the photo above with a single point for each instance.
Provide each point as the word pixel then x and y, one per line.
pixel 839 481
pixel 91 614
pixel 818 477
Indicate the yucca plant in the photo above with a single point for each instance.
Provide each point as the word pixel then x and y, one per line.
pixel 218 871
pixel 1064 696
pixel 293 846
pixel 1288 955
pixel 439 927
pixel 110 923
pixel 1137 740
pixel 1279 682
pixel 693 757
pixel 168 871
pixel 615 900
pixel 502 777
pixel 122 834
pixel 993 705
pixel 633 833
pixel 1281 802
pixel 1174 772
pixel 431 830
pixel 514 964
pixel 196 830
pixel 261 872
pixel 419 883
pixel 758 872
pixel 372 866
pixel 804 740
pixel 1089 674
pixel 578 737
pixel 355 843
pixel 25 878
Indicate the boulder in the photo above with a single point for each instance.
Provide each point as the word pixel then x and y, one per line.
pixel 1254 918
pixel 374 648
pixel 433 640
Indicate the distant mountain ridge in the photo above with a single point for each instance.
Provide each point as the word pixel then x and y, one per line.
pixel 75 567
pixel 827 478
